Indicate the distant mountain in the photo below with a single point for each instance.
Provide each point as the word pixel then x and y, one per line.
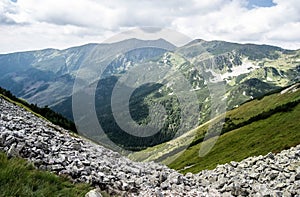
pixel 249 70
pixel 37 74
pixel 246 71
pixel 45 77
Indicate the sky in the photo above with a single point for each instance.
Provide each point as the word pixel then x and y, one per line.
pixel 31 24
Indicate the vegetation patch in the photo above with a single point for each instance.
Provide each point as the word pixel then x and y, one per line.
pixel 20 178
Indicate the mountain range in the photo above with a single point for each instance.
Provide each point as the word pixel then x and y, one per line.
pixel 236 72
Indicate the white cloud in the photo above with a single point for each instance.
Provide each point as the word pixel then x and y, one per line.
pixel 30 24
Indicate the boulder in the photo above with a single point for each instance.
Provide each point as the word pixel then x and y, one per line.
pixel 94 193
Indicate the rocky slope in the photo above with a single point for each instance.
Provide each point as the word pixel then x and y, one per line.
pixel 52 148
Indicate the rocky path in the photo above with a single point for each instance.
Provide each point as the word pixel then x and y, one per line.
pixel 52 148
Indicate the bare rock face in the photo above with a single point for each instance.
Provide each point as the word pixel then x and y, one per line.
pixel 52 148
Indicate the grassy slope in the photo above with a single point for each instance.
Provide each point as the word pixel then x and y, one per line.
pixel 274 133
pixel 19 178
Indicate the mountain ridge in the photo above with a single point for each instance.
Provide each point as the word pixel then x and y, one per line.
pixel 194 41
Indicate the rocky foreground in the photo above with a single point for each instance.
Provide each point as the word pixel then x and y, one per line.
pixel 50 147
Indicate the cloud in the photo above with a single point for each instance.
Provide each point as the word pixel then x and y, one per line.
pixel 30 24
pixel 234 22
pixel 6 12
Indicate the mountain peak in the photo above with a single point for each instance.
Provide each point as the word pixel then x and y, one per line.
pixel 155 43
pixel 196 41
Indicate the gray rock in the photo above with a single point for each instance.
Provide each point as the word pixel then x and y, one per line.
pixel 162 177
pixel 254 175
pixel 158 192
pixel 13 151
pixel 189 175
pixel 273 175
pixel 93 193
pixel 57 167
pixel 270 155
pixel 165 185
pixel 297 177
pixel 76 146
pixel 234 164
pixel 280 186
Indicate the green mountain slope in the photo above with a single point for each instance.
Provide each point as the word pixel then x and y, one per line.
pixel 256 127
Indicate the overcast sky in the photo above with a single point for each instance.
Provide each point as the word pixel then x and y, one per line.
pixel 34 24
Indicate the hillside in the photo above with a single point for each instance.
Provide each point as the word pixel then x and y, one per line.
pixel 49 147
pixel 266 124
